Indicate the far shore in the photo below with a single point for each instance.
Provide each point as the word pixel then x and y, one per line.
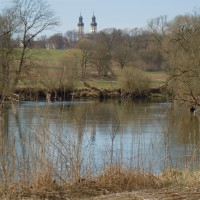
pixel 61 94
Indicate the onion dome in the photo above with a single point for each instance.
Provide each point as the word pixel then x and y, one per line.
pixel 93 23
pixel 80 23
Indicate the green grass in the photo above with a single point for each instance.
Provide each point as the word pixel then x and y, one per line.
pixel 49 54
pixel 50 58
pixel 43 54
pixel 158 78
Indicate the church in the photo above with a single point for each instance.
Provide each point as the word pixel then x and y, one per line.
pixel 93 25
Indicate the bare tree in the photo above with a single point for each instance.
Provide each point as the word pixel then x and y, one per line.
pixel 41 42
pixel 8 25
pixel 72 38
pixel 183 48
pixel 86 47
pixel 57 41
pixel 109 38
pixel 134 38
pixel 7 22
pixel 158 28
pixel 122 54
pixel 25 19
pixel 34 17
pixel 101 58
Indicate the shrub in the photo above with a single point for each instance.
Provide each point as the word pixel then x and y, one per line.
pixel 134 80
pixel 68 75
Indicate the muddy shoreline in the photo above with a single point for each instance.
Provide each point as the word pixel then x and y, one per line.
pixel 30 94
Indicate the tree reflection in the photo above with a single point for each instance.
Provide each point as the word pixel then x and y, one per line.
pixel 4 143
pixel 182 137
pixel 154 132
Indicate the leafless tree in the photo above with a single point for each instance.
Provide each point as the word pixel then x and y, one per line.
pixel 8 25
pixel 57 41
pixel 34 16
pixel 101 59
pixel 158 28
pixel 25 19
pixel 122 54
pixel 87 47
pixel 179 40
pixel 184 58
pixel 109 38
pixel 41 42
pixel 72 38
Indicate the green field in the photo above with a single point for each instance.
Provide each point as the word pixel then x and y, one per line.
pixel 48 54
pixel 158 78
pixel 49 62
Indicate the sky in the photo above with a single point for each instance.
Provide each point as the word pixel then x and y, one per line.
pixel 119 14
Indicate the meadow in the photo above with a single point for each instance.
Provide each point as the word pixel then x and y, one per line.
pixel 50 68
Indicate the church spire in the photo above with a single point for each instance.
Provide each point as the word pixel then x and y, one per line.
pixel 80 25
pixel 93 24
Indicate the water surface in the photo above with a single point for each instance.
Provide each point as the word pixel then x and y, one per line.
pixel 151 135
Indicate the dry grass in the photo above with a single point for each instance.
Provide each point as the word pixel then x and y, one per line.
pixel 112 180
pixel 116 179
pixel 181 178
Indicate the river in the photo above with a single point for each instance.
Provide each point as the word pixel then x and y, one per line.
pixel 88 135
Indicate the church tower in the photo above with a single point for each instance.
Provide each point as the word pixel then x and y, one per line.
pixel 93 25
pixel 80 25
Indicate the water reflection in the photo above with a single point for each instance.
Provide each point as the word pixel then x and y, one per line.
pixel 145 134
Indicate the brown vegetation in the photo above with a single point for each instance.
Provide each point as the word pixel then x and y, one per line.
pixel 114 183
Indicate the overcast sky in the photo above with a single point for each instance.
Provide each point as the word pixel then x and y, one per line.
pixel 115 13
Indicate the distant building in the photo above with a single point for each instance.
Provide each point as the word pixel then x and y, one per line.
pixel 21 44
pixel 80 24
pixel 93 25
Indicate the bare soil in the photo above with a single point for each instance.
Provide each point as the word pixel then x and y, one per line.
pixel 150 194
pixel 155 194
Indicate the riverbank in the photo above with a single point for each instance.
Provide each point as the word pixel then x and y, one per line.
pixel 114 185
pixel 184 193
pixel 88 91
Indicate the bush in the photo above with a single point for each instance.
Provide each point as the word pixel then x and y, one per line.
pixel 68 75
pixel 134 80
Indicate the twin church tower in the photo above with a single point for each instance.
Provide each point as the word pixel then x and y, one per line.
pixel 93 25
